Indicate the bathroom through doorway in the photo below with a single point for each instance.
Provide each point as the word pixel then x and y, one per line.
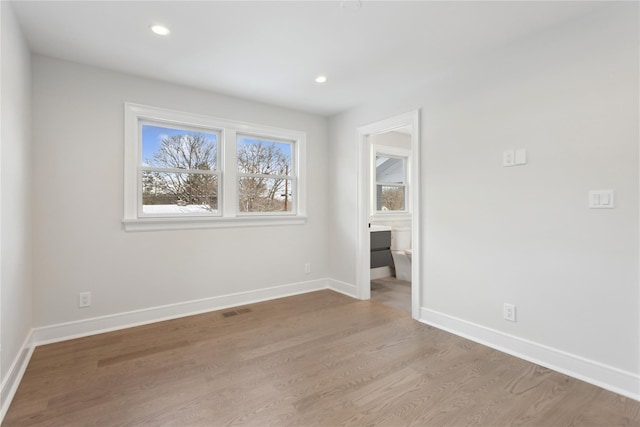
pixel 388 196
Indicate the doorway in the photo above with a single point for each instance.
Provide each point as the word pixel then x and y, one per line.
pixel 396 202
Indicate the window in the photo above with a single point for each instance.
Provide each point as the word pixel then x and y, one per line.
pixel 390 183
pixel 178 172
pixel 190 171
pixel 265 171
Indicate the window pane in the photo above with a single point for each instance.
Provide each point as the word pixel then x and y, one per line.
pixel 390 198
pixel 178 148
pixel 263 157
pixel 265 194
pixel 389 170
pixel 179 193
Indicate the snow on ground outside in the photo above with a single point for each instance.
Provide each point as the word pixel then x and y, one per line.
pixel 175 209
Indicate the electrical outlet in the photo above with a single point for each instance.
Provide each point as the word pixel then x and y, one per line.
pixel 508 158
pixel 307 268
pixel 84 299
pixel 509 312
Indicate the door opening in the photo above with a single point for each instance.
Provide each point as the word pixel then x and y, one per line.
pixel 388 203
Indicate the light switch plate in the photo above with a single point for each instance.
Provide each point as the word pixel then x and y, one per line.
pixel 521 156
pixel 601 199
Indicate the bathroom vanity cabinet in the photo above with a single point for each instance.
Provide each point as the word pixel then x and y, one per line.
pixel 381 249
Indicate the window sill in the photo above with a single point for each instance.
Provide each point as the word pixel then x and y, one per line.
pixel 166 223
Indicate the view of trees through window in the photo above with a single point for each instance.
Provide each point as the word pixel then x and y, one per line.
pixel 391 198
pixel 265 182
pixel 179 171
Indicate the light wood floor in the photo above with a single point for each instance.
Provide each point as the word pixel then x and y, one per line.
pixel 392 292
pixel 319 359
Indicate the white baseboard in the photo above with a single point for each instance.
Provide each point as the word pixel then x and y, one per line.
pixel 599 374
pixel 97 325
pixel 12 378
pixel 343 287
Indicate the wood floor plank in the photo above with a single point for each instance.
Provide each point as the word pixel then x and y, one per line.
pixel 319 359
pixel 392 292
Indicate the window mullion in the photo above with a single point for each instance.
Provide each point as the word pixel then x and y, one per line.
pixel 230 174
pixel 178 170
pixel 268 176
pixel 391 184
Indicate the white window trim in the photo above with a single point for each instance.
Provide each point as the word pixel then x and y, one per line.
pixel 404 214
pixel 228 214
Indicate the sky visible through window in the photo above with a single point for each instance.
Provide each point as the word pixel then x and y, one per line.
pixel 283 147
pixel 152 138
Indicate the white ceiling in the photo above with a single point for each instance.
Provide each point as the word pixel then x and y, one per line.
pixel 272 51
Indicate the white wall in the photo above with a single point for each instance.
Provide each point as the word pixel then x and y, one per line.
pixel 78 172
pixel 15 200
pixel 524 235
pixel 392 139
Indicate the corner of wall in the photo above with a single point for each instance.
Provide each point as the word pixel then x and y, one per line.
pixel 11 380
pixel 16 285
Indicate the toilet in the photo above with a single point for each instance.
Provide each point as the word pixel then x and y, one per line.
pixel 401 252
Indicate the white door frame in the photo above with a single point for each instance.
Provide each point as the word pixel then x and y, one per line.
pixel 363 264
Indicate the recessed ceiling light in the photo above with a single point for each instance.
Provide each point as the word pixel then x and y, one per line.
pixel 321 79
pixel 160 30
pixel 351 4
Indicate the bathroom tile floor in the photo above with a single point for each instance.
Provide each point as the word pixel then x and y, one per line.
pixel 392 292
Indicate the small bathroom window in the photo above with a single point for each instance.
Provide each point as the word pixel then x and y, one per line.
pixel 390 183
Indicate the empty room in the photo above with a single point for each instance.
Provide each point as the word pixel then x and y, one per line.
pixel 320 213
